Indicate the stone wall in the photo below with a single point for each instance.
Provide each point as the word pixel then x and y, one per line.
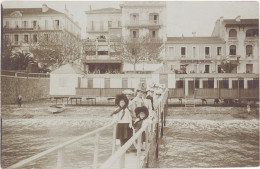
pixel 29 88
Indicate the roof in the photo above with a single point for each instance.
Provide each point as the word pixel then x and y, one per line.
pixel 30 11
pixel 103 10
pixel 242 21
pixel 68 69
pixel 198 40
pixel 141 67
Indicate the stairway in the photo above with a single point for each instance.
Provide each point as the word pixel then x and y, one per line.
pixel 190 105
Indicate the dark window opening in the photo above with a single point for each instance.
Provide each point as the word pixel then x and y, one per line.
pixel 232 50
pixel 102 52
pixel 219 51
pixel 179 83
pixel 249 50
pixel 183 51
pixel 232 33
pixel 197 83
pixel 206 50
pixel 16 39
pixel 206 69
pixel 26 39
pixel 252 33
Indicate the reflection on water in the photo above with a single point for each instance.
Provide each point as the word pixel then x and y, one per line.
pixel 205 143
pixel 186 143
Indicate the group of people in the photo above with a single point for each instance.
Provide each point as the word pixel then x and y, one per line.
pixel 131 115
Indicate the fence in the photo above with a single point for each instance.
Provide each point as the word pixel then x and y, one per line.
pixel 100 92
pixel 60 149
pixel 23 74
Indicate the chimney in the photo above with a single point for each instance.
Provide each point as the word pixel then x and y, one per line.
pixel 44 8
pixel 66 11
pixel 238 18
pixel 194 34
pixel 221 18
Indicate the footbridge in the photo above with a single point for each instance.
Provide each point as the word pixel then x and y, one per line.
pixel 120 157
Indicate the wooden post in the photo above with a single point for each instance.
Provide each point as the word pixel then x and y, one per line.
pixel 162 114
pixel 122 161
pixel 157 135
pixel 139 145
pixel 60 158
pixel 95 162
pixel 114 139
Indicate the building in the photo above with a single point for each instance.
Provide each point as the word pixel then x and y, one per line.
pixel 195 54
pixel 106 29
pixel 36 27
pixel 242 42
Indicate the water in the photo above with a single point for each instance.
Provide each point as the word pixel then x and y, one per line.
pixel 193 140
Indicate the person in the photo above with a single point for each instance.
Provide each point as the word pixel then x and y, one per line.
pixel 141 116
pixel 138 101
pixel 248 108
pixel 157 98
pixel 128 93
pixel 19 101
pixel 147 103
pixel 149 96
pixel 216 101
pixel 123 117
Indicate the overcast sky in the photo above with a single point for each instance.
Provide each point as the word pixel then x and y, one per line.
pixel 183 17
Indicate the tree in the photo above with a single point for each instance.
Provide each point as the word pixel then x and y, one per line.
pixel 228 67
pixel 136 50
pixel 6 53
pixel 56 48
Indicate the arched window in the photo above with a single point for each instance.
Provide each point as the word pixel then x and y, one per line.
pixel 232 50
pixel 252 33
pixel 232 33
pixel 249 50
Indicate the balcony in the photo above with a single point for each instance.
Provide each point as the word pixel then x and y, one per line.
pixel 144 24
pixel 101 59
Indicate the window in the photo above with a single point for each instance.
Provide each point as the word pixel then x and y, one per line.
pixel 249 68
pixel 252 33
pixel 183 69
pixel 224 84
pixel 109 24
pixel 134 34
pixel 134 18
pixel 180 83
pixel 46 24
pixel 56 24
pixel 102 52
pixel 232 50
pixel 26 38
pixel 183 51
pixel 25 24
pixel 34 23
pixel 154 18
pixel 234 84
pixel 219 51
pixel 6 37
pixel 46 37
pixel 34 38
pixel 249 50
pixel 153 33
pixel 241 84
pixel 16 39
pixel 207 52
pixel 90 83
pixel 206 69
pixel 197 83
pixel 6 24
pixel 233 34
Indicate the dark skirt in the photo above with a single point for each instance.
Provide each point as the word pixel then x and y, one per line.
pixel 123 131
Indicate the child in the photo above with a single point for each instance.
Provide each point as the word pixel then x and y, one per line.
pixel 141 114
pixel 123 116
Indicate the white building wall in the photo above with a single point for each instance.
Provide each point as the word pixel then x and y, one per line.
pixel 116 83
pixel 63 84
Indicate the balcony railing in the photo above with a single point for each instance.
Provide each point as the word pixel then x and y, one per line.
pixel 232 38
pixel 143 23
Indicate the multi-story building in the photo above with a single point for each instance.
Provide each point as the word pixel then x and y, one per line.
pixel 103 32
pixel 23 27
pixel 106 28
pixel 195 54
pixel 242 42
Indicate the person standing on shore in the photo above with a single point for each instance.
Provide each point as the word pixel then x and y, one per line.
pixel 123 117
pixel 19 100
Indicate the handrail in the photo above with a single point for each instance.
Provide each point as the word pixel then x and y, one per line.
pixel 57 148
pixel 159 113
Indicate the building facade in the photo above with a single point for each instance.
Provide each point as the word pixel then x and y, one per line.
pixel 26 27
pixel 242 42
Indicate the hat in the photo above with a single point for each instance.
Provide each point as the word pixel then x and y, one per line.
pixel 141 86
pixel 159 91
pixel 128 92
pixel 138 110
pixel 120 97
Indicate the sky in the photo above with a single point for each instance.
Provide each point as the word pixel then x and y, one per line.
pixel 183 17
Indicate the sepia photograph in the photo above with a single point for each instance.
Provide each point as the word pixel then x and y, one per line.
pixel 129 84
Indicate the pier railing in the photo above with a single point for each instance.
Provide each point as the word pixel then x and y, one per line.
pixel 60 149
pixel 158 121
pixel 24 74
